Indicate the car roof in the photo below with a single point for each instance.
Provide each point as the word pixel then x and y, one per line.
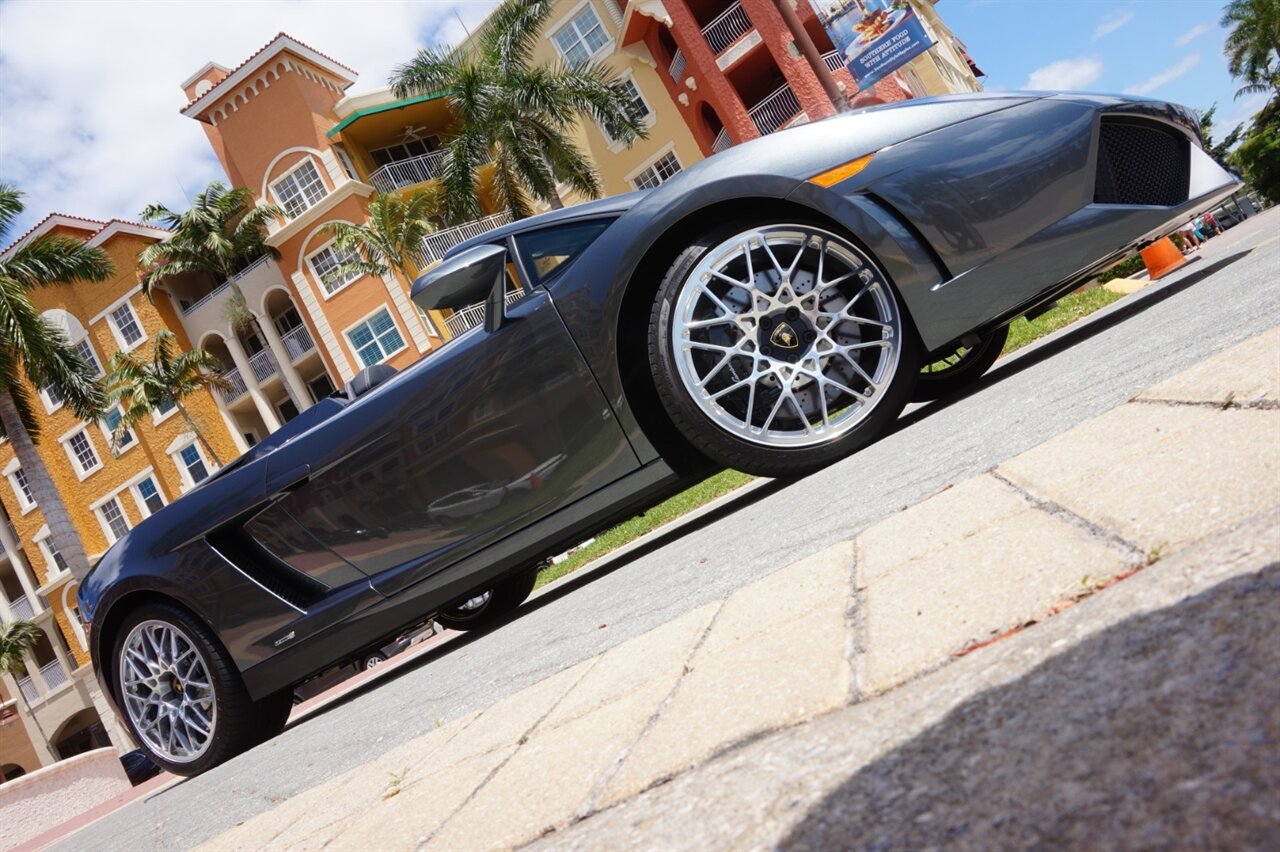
pixel 617 205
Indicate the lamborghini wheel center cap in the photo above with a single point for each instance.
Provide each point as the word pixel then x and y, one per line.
pixel 785 335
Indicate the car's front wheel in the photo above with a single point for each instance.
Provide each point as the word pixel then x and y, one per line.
pixel 780 348
pixel 181 694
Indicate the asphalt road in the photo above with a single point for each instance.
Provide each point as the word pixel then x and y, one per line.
pixel 1228 295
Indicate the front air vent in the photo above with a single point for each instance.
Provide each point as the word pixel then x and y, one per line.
pixel 279 578
pixel 1142 162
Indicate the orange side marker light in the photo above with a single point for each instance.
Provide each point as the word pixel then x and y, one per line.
pixel 831 177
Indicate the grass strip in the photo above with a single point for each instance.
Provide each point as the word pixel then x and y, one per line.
pixel 1070 308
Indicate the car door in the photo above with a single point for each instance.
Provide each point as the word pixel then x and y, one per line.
pixel 492 432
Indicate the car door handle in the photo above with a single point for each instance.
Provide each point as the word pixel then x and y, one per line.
pixel 289 480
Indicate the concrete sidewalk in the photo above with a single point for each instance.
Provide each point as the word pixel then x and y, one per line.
pixel 857 698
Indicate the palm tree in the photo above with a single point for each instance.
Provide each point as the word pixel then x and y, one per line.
pixel 392 237
pixel 1253 44
pixel 1220 151
pixel 222 233
pixel 31 349
pixel 169 376
pixel 517 115
pixel 17 638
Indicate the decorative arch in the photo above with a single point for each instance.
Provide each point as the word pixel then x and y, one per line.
pixel 72 608
pixel 266 175
pixel 266 296
pixel 306 242
pixel 67 323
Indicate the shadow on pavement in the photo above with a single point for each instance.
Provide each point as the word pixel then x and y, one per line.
pixel 1073 335
pixel 1160 732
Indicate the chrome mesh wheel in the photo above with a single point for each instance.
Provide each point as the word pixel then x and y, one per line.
pixel 786 335
pixel 167 691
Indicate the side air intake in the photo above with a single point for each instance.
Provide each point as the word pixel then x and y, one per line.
pixel 1142 162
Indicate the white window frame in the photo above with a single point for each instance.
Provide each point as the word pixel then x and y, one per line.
pixel 616 145
pixel 49 405
pixel 65 441
pixel 106 433
pixel 93 354
pixel 143 509
pixel 187 481
pixel 124 345
pixel 316 277
pixel 100 513
pixel 157 417
pixel 52 569
pixel 386 356
pixel 567 19
pixel 19 491
pixel 275 195
pixel 670 148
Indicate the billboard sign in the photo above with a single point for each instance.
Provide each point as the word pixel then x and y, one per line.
pixel 874 37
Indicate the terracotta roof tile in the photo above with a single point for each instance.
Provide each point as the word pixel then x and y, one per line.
pixel 100 223
pixel 258 53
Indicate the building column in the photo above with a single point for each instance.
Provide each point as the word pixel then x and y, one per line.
pixel 712 83
pixel 260 402
pixel 229 420
pixel 795 69
pixel 13 550
pixel 284 364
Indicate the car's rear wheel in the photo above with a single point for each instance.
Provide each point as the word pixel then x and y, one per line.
pixel 960 368
pixel 372 661
pixel 181 694
pixel 490 607
pixel 780 348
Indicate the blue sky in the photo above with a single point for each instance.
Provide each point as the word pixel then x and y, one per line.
pixel 92 128
pixel 1169 49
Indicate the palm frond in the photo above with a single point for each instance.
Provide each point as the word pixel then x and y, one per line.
pixel 58 260
pixel 11 207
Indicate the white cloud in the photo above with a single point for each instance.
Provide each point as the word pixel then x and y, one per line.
pixel 1165 77
pixel 1191 35
pixel 1070 74
pixel 1243 113
pixel 1111 22
pixel 92 128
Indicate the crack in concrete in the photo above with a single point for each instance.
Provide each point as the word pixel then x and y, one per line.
pixel 588 807
pixel 1227 404
pixel 1062 513
pixel 855 644
pixel 524 738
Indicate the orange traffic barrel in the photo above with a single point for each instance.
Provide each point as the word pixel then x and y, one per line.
pixel 1161 258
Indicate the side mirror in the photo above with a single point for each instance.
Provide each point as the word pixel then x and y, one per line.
pixel 478 274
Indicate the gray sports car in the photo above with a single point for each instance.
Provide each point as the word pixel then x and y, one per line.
pixel 769 309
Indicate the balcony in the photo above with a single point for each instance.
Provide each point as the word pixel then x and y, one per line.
pixel 722 141
pixel 22 609
pixel 435 245
pixel 729 26
pixel 54 676
pixel 262 365
pixel 471 316
pixel 404 173
pixel 238 387
pixel 776 111
pixel 298 342
pixel 187 310
pixel 834 61
pixel 676 68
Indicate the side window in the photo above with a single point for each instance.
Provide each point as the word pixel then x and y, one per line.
pixel 550 250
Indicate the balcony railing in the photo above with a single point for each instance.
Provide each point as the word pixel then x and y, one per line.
pixel 776 110
pixel 404 173
pixel 471 316
pixel 298 342
pixel 729 26
pixel 435 245
pixel 54 675
pixel 237 387
pixel 22 609
pixel 212 294
pixel 262 364
pixel 722 141
pixel 834 61
pixel 676 68
pixel 29 691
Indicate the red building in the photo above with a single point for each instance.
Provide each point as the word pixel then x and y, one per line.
pixel 736 71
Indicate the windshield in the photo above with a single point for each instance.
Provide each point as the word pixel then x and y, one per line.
pixel 549 250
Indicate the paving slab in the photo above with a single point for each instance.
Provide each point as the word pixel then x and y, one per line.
pixel 1161 476
pixel 1245 373
pixel 1144 717
pixel 958 571
pixel 776 654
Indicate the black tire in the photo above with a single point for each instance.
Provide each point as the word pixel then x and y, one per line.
pixel 504 598
pixel 240 723
pixel 937 381
pixel 728 450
